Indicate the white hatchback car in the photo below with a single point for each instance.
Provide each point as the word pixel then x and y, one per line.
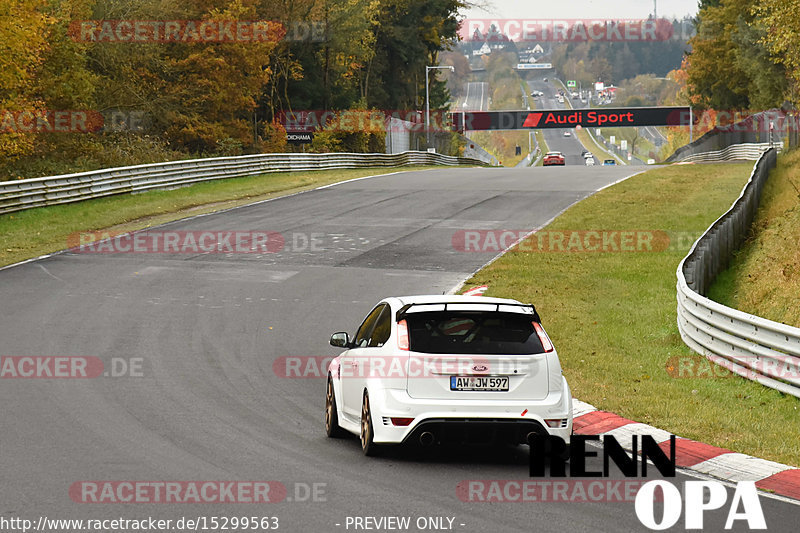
pixel 447 369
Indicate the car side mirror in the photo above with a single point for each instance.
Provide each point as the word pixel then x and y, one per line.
pixel 340 339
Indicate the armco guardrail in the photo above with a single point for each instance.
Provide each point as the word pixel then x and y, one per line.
pixel 758 349
pixel 764 128
pixel 25 194
pixel 746 151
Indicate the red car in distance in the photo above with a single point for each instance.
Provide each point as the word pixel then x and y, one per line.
pixel 553 158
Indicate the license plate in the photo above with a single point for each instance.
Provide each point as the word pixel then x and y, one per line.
pixel 478 383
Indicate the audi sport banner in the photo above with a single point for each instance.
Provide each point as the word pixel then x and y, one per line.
pixel 570 118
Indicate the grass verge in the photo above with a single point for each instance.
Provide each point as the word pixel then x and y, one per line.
pixel 43 230
pixel 642 146
pixel 543 148
pixel 764 276
pixel 589 142
pixel 612 315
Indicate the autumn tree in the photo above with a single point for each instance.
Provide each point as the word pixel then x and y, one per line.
pixel 729 66
pixel 23 44
pixel 782 32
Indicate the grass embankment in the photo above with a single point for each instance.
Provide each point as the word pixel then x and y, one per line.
pixel 612 315
pixel 642 146
pixel 764 277
pixel 43 230
pixel 538 134
pixel 543 148
pixel 600 152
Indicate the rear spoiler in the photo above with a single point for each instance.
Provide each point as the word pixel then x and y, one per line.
pixel 403 311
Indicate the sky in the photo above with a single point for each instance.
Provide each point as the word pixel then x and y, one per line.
pixel 574 9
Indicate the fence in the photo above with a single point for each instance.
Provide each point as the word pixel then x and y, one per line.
pixel 748 151
pixel 37 192
pixel 402 135
pixel 758 349
pixel 767 128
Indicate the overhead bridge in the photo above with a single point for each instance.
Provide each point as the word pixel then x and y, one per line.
pixel 571 118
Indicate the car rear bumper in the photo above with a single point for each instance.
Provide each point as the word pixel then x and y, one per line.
pixel 475 431
pixel 470 420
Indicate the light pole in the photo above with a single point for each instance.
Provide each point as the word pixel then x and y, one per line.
pixel 428 104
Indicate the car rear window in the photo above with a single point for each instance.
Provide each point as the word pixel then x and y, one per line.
pixel 472 333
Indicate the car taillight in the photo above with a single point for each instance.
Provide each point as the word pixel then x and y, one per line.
pixel 401 421
pixel 556 422
pixel 402 335
pixel 546 344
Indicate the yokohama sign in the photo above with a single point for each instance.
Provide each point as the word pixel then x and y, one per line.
pixel 570 118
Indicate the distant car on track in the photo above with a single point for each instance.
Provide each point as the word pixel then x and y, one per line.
pixel 567 134
pixel 609 162
pixel 553 158
pixel 447 369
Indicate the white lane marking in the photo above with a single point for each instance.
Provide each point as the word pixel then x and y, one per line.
pixel 223 273
pixel 732 485
pixel 477 291
pixel 580 408
pixel 740 467
pixel 50 274
pixel 624 433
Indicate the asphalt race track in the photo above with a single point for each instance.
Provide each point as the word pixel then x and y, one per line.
pixel 207 329
pixel 476 97
pixel 571 147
